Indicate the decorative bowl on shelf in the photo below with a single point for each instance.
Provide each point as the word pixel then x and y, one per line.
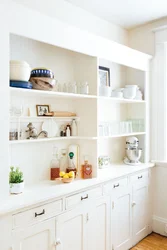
pixel 19 70
pixel 43 83
pixel 67 180
pixel 42 72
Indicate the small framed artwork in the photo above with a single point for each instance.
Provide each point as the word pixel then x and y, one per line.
pixel 104 76
pixel 42 109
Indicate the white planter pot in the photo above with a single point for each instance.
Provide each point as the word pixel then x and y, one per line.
pixel 16 188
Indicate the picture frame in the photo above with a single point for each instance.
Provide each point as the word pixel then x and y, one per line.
pixel 42 109
pixel 104 76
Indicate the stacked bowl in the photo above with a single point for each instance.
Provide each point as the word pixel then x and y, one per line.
pixel 42 79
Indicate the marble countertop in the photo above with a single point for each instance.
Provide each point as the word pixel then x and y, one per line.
pixel 49 190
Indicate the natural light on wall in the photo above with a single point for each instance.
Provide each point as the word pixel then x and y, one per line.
pixel 158 97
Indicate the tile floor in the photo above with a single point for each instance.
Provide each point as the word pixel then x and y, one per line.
pixel 152 242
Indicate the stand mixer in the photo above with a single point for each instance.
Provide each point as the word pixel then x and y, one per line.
pixel 133 152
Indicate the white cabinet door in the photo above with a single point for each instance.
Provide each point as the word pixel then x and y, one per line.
pixel 98 225
pixel 40 236
pixel 121 220
pixel 70 230
pixel 140 212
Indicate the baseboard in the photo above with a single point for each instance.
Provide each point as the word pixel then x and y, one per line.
pixel 159 225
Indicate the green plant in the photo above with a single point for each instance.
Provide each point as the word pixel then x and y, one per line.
pixel 15 175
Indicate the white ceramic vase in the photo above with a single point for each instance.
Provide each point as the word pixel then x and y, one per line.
pixel 19 71
pixel 16 188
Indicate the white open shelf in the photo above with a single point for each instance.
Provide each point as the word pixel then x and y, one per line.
pixel 20 118
pixel 43 93
pixel 122 135
pixel 51 139
pixel 120 100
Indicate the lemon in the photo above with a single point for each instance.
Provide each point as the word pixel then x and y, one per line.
pixel 71 174
pixel 61 174
pixel 65 176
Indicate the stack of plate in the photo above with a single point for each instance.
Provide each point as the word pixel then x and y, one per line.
pixel 21 84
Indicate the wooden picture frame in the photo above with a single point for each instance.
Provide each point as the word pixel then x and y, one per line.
pixel 104 76
pixel 42 109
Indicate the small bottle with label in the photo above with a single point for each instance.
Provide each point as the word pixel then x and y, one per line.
pixel 68 130
pixel 71 166
pixel 86 169
pixel 55 165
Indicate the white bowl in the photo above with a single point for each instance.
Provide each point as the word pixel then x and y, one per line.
pixel 117 94
pixel 19 71
pixel 129 91
pixel 105 91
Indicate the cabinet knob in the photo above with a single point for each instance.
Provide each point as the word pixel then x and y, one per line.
pixel 58 242
pixel 116 185
pixel 133 203
pixel 84 198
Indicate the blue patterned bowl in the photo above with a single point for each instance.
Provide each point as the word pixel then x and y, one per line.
pixel 42 72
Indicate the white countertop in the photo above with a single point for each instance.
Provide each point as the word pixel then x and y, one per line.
pixel 45 191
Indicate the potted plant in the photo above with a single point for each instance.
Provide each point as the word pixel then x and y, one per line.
pixel 16 181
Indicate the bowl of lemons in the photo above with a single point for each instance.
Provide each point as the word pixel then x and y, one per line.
pixel 67 177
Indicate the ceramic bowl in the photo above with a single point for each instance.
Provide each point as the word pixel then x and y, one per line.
pixel 19 71
pixel 42 72
pixel 129 91
pixel 117 94
pixel 67 180
pixel 105 91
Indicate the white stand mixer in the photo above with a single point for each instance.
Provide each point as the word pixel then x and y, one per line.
pixel 133 152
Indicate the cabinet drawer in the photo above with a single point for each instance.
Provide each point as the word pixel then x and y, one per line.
pixel 76 199
pixel 37 214
pixel 116 185
pixel 140 177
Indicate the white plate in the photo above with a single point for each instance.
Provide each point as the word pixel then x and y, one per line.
pixel 51 127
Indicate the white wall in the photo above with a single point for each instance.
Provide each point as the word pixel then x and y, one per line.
pixel 142 38
pixel 79 18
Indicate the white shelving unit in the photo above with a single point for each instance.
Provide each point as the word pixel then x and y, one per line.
pixel 91 109
pixel 73 55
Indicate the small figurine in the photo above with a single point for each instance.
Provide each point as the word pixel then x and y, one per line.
pixel 33 134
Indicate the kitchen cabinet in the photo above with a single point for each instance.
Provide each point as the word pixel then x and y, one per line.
pixel 86 227
pixel 121 219
pixel 98 225
pixel 70 230
pixel 39 236
pixel 140 211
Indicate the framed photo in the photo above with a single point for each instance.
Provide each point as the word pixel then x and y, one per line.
pixel 42 109
pixel 104 76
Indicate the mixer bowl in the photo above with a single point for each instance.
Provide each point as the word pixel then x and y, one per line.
pixel 133 154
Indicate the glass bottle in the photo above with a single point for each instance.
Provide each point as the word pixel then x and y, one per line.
pixel 86 169
pixel 63 160
pixel 55 165
pixel 71 166
pixel 74 128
